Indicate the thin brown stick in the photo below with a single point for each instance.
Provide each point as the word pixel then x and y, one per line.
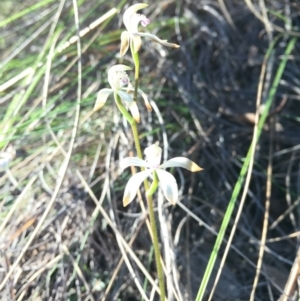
pixel 290 287
pixel 266 215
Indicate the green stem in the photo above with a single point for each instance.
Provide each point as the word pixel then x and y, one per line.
pixel 136 60
pixel 150 191
pixel 154 185
pixel 155 242
pixel 151 215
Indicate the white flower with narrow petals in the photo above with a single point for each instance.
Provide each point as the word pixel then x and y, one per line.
pixel 152 164
pixel 118 80
pixel 131 20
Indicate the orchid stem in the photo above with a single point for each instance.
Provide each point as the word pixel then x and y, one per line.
pixel 151 215
pixel 154 185
pixel 155 243
pixel 149 190
pixel 136 60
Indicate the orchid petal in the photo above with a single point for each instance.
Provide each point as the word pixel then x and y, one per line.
pixel 102 98
pixel 137 43
pixel 145 98
pixel 133 161
pixel 125 97
pixel 182 162
pixel 135 111
pixel 130 11
pixel 157 40
pixel 147 103
pixel 125 37
pixel 133 185
pixel 168 185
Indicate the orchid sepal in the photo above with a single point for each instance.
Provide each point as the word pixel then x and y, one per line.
pixel 133 161
pixel 102 96
pixel 166 180
pixel 158 40
pixel 168 185
pixel 182 162
pixel 137 42
pixel 125 38
pixel 133 186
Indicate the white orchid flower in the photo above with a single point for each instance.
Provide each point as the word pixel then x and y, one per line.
pixel 118 79
pixel 152 164
pixel 131 20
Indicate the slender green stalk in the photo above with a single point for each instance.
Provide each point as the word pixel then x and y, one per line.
pixel 155 244
pixel 151 190
pixel 146 183
pixel 136 60
pixel 133 124
pixel 153 186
